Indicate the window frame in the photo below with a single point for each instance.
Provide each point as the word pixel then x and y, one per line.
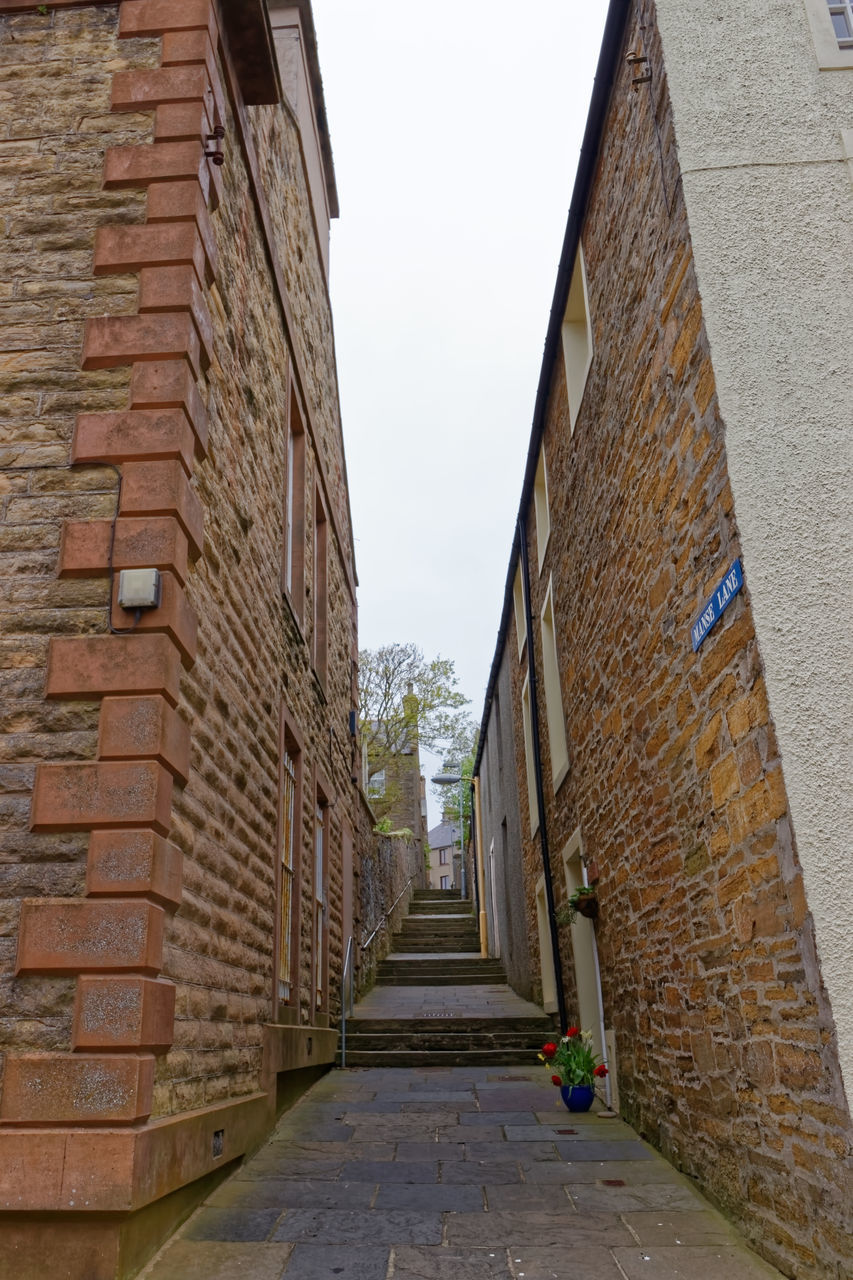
pixel 320 633
pixel 553 692
pixel 293 540
pixel 577 339
pixel 520 611
pixel 541 509
pixel 831 56
pixel 286 939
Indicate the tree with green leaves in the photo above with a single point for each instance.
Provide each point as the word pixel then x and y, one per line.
pixel 406 701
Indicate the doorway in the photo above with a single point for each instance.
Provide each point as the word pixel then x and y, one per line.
pixel 546 957
pixel 585 957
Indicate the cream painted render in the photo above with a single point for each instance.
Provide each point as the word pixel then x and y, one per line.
pixel 766 181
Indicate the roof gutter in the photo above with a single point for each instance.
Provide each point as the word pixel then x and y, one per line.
pixel 611 44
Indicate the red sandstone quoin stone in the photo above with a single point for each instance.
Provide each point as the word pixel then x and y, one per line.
pixel 184 202
pixel 174 615
pixel 177 288
pixel 149 88
pixel 78 797
pixel 134 434
pixel 154 17
pixel 90 666
pixel 134 864
pixel 53 1088
pixel 145 727
pixel 127 1012
pixel 158 542
pixel 158 162
pixel 162 489
pixel 78 933
pixel 182 121
pixel 169 384
pixel 119 249
pixel 110 341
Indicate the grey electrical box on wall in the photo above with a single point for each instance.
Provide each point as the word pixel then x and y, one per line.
pixel 139 588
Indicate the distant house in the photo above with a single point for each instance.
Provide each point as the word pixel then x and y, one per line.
pixel 674 668
pixel 443 842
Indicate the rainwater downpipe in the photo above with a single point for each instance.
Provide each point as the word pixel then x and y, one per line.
pixel 537 769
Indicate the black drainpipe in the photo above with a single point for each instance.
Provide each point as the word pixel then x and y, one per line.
pixel 537 768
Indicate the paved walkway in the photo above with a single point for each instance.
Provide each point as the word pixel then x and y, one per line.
pixel 453 1174
pixel 492 1000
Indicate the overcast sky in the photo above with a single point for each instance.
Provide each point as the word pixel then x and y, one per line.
pixel 456 132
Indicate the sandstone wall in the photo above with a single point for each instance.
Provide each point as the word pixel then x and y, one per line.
pixel 726 1049
pixel 167 317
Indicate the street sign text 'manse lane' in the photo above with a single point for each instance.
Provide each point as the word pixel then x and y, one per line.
pixel 720 600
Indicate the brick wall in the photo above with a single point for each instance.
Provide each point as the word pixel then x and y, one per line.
pixel 725 1041
pixel 170 317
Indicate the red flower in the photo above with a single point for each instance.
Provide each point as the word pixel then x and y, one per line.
pixel 556 1080
pixel 573 1031
pixel 600 1070
pixel 549 1049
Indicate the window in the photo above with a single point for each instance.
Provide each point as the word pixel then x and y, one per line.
pixel 442 857
pixel 577 338
pixel 831 23
pixel 321 815
pixel 543 514
pixel 376 785
pixel 293 554
pixel 528 756
pixel 321 627
pixel 445 882
pixel 842 22
pixel 290 844
pixel 520 617
pixel 553 693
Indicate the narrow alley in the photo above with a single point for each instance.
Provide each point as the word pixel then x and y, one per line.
pixel 462 1166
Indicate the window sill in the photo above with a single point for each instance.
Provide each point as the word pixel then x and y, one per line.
pixel 561 776
pixel 291 609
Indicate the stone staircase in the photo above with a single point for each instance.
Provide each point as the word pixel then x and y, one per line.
pixel 438 1002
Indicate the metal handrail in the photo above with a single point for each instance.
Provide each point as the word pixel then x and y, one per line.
pixel 387 913
pixel 347 976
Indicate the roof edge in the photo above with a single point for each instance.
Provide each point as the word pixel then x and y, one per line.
pixel 611 43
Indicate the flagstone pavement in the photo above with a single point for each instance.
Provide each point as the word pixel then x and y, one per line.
pixel 453 1174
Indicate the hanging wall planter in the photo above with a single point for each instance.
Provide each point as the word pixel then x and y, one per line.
pixel 584 902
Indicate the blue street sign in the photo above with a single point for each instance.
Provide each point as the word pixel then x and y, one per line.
pixel 724 593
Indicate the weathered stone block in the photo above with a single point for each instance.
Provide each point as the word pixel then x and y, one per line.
pixel 162 489
pixel 135 434
pixel 110 341
pixel 78 797
pixel 79 934
pixel 153 17
pixel 134 863
pixel 89 666
pixel 121 249
pixel 159 162
pixel 170 384
pixel 145 727
pixel 66 1088
pixel 177 289
pixel 124 1013
pixel 174 615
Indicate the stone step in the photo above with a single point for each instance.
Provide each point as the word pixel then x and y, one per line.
pixel 452 963
pixel 473 979
pixel 537 1029
pixel 442 894
pixel 436 1057
pixel 441 1042
pixel 439 909
pixel 423 946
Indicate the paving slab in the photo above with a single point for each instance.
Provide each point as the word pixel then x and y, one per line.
pixel 453 1174
pixel 380 1226
pixel 447 1263
pixel 343 1262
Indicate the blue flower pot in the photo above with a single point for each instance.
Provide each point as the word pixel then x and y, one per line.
pixel 577 1097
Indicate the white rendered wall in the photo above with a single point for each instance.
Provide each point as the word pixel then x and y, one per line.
pixel 767 182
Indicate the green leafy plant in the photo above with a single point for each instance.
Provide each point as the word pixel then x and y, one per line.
pixel 571 1059
pixel 584 901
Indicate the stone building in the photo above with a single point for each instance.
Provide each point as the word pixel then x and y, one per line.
pixel 180 779
pixel 674 618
